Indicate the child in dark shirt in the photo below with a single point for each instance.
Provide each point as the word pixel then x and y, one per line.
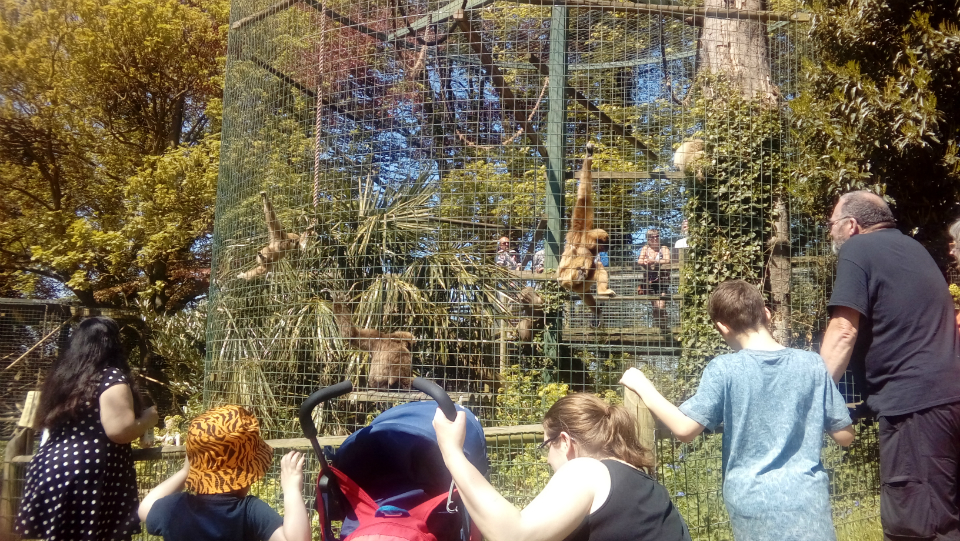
pixel 225 455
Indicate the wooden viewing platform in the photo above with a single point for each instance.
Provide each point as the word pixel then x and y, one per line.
pixel 662 338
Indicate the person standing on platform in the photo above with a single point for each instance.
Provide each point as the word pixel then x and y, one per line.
pixel 684 230
pixel 505 256
pixel 656 280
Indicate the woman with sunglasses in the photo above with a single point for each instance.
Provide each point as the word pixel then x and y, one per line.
pixel 600 490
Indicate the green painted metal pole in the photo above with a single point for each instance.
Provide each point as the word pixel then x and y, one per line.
pixel 556 149
pixel 556 136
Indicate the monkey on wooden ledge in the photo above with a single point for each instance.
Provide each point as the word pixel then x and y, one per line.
pixel 279 243
pixel 580 267
pixel 391 363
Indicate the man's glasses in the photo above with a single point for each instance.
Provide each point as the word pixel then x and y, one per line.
pixel 831 223
pixel 544 447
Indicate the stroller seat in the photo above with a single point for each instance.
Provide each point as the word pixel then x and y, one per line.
pixel 389 479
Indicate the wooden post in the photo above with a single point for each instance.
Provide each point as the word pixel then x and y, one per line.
pixel 504 356
pixel 646 426
pixel 19 444
pixel 778 270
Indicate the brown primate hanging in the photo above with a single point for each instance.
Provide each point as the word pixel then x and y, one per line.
pixel 279 243
pixel 579 266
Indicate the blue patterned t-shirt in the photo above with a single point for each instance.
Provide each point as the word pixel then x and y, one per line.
pixel 775 407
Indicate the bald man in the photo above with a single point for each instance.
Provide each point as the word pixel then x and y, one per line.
pixel 892 319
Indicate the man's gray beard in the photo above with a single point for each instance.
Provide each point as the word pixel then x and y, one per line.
pixel 835 246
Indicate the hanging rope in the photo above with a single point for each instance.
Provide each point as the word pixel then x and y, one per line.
pixel 319 114
pixel 536 107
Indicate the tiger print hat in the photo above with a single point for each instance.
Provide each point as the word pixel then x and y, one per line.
pixel 225 451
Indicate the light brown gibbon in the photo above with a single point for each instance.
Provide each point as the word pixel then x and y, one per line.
pixel 391 363
pixel 279 243
pixel 579 266
pixel 687 155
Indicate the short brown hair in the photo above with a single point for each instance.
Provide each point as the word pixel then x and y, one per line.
pixel 738 305
pixel 602 430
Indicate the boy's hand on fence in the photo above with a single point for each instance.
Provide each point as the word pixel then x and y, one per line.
pixel 291 472
pixel 636 381
pixel 450 434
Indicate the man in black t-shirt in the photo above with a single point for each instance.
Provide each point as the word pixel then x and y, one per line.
pixel 892 316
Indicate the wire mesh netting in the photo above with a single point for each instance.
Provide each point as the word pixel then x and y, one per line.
pixel 399 179
pixel 30 336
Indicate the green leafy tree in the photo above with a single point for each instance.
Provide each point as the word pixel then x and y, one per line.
pixel 879 110
pixel 109 147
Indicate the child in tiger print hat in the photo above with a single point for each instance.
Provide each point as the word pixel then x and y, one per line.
pixel 225 455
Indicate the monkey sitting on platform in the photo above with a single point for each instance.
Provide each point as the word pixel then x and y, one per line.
pixel 391 363
pixel 579 266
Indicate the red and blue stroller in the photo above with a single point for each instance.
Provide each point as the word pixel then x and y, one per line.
pixel 387 481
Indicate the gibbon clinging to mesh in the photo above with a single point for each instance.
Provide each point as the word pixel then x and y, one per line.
pixel 278 243
pixel 579 266
pixel 531 308
pixel 391 363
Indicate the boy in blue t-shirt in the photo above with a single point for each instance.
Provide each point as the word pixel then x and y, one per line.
pixel 225 455
pixel 774 404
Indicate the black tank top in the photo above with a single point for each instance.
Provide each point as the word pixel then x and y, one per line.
pixel 637 509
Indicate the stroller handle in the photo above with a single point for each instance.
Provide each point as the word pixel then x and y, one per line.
pixel 437 393
pixel 327 393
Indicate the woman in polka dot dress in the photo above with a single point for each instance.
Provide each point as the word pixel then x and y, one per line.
pixel 81 485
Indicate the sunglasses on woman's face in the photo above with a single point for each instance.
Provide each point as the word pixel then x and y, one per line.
pixel 544 447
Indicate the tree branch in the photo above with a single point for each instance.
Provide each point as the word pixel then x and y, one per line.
pixel 507 98
pixel 605 119
pixel 28 194
pixel 41 272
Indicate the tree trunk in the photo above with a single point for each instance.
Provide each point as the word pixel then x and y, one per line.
pixel 778 270
pixel 737 49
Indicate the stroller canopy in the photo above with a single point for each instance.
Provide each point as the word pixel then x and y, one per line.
pixel 398 452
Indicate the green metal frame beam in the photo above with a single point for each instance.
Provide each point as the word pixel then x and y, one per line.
pixel 674 11
pixel 441 15
pixel 605 119
pixel 449 10
pixel 526 66
pixel 556 135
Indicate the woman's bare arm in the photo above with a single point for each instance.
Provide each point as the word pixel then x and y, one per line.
pixel 119 421
pixel 551 516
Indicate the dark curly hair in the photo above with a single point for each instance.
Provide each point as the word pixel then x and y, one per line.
pixel 72 382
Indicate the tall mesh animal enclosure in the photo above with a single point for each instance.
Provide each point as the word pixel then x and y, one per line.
pixel 31 336
pixel 398 181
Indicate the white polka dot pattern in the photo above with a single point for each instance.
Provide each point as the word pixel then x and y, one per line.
pixel 80 485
